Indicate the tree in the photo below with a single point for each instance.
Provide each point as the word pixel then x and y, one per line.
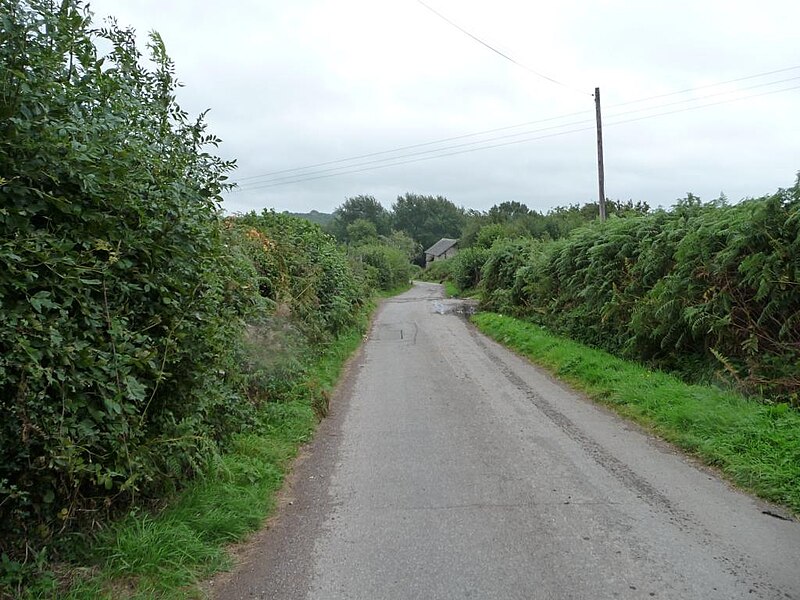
pixel 400 240
pixel 490 233
pixel 507 211
pixel 428 219
pixel 360 207
pixel 474 220
pixel 362 231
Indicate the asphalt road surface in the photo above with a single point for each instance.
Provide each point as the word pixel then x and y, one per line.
pixel 451 468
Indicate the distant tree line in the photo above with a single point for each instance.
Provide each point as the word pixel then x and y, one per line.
pixel 421 221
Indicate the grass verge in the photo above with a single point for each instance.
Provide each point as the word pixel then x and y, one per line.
pixel 394 292
pixel 165 555
pixel 756 445
pixel 450 289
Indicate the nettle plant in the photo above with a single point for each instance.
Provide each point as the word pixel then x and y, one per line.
pixel 118 300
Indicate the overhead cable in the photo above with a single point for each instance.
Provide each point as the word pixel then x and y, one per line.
pixel 704 87
pixel 412 146
pixel 269 175
pixel 507 136
pixel 347 170
pixel 496 51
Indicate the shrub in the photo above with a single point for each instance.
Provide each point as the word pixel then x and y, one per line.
pixel 709 290
pixel 118 299
pixel 384 268
pixel 732 296
pixel 300 270
pixel 438 270
pixel 465 267
pixel 499 273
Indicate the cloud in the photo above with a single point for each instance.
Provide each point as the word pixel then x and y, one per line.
pixel 311 81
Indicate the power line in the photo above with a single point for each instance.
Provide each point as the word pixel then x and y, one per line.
pixel 512 135
pixel 405 162
pixel 450 147
pixel 496 51
pixel 412 146
pixel 301 178
pixel 690 108
pixel 509 127
pixel 704 87
pixel 291 178
pixel 715 94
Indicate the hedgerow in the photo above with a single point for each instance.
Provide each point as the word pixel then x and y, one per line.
pixel 300 270
pixel 710 290
pixel 733 294
pixel 118 300
pixel 465 267
pixel 381 267
pixel 138 328
pixel 499 273
pixel 438 270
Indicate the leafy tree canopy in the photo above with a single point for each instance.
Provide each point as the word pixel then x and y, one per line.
pixel 427 219
pixel 507 211
pixel 362 231
pixel 399 240
pixel 362 207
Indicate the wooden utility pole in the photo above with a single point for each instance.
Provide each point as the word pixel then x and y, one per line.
pixel 601 178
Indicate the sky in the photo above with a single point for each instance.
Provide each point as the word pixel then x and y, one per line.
pixel 294 84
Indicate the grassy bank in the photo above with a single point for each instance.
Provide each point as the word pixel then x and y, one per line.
pixel 165 554
pixel 450 289
pixel 756 445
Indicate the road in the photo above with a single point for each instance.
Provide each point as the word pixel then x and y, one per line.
pixel 452 468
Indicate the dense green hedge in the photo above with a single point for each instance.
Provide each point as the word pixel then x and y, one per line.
pixel 300 269
pixel 465 267
pixel 116 308
pixel 311 296
pixel 704 288
pixel 138 329
pixel 463 270
pixel 438 270
pixel 382 267
pixel 500 289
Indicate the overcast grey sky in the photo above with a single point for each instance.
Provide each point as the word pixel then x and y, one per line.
pixel 292 84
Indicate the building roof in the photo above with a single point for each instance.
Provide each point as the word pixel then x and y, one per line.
pixel 442 246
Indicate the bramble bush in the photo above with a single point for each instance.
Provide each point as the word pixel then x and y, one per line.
pixel 310 296
pixel 139 329
pixel 300 270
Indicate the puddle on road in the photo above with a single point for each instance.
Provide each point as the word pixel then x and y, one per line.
pixel 455 306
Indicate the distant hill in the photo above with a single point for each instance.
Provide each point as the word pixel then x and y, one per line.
pixel 314 216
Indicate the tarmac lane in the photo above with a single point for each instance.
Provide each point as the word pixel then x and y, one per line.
pixel 451 468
